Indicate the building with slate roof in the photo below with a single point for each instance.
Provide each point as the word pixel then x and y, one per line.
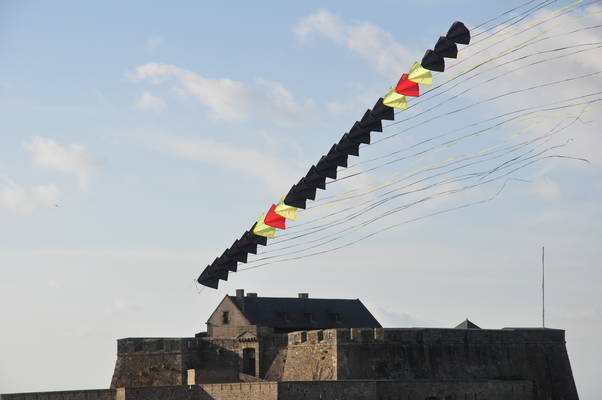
pixel 251 314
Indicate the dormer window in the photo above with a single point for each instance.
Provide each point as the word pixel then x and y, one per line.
pixel 283 316
pixel 335 317
pixel 225 317
pixel 309 316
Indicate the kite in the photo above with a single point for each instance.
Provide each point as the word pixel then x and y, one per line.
pixel 350 211
pixel 349 145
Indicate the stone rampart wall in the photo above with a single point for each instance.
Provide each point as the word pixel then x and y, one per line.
pixel 331 390
pixel 226 391
pixel 165 361
pixel 311 356
pixel 217 360
pixel 538 355
pixel 103 394
pixel 243 391
pixel 340 390
pixel 417 390
pixel 443 390
pixel 273 354
pixel 152 361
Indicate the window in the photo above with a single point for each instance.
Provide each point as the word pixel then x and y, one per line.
pixel 283 316
pixel 335 316
pixel 309 316
pixel 225 317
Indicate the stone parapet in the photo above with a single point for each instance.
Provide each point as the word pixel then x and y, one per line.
pixel 133 346
pixel 100 394
pixel 427 336
pixel 489 389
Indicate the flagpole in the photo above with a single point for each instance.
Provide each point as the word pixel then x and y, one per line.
pixel 543 288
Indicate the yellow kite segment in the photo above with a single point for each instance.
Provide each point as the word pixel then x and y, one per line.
pixel 421 75
pixel 261 229
pixel 286 211
pixel 395 100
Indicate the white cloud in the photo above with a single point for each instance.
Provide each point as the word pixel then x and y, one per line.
pixel 47 194
pixel 16 199
pixel 547 189
pixel 282 105
pixel 271 171
pixel 562 31
pixel 357 99
pixel 148 101
pixel 336 107
pixel 71 159
pixel 368 41
pixel 154 42
pixel 227 99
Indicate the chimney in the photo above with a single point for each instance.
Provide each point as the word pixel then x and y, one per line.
pixel 240 293
pixel 303 295
pixel 251 294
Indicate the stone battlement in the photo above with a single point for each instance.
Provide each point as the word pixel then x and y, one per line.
pixel 426 336
pixel 133 346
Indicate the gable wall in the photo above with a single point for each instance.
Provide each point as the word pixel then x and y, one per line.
pixel 237 325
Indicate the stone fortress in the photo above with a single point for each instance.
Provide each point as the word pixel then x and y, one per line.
pixel 268 348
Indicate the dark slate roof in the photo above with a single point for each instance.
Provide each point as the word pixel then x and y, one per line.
pixel 293 313
pixel 466 325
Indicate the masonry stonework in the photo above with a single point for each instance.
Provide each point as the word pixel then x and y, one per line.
pixel 535 355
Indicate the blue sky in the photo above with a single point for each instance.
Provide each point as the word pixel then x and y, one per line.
pixel 138 140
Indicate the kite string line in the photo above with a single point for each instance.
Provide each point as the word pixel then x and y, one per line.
pixel 442 147
pixel 358 226
pixel 533 110
pixel 426 98
pixel 464 108
pixel 571 123
pixel 470 88
pixel 384 229
pixel 475 34
pixel 381 202
pixel 524 116
pixel 529 25
pixel 394 193
pixel 503 52
pixel 499 55
pixel 375 187
pixel 521 68
pixel 497 168
pixel 490 79
pixel 497 97
pixel 509 22
pixel 379 186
